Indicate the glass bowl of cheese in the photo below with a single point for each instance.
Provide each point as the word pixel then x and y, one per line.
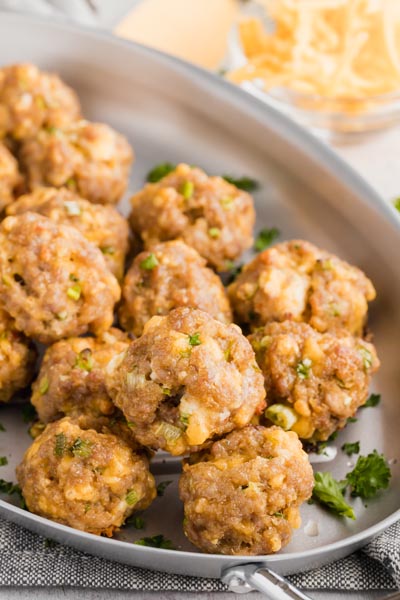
pixel 331 64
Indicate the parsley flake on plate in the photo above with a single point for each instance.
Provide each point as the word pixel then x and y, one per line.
pixel 351 448
pixel 265 238
pixel 159 171
pixel 156 541
pixel 243 183
pixel 371 474
pixel 329 492
pixel 373 400
pixel 162 486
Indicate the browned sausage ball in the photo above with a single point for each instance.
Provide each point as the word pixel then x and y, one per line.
pixel 71 377
pixel 208 213
pixel 88 480
pixel 31 99
pixel 168 276
pixel 17 359
pixel 187 379
pixel 314 381
pixel 88 158
pixel 103 226
pixel 53 282
pixel 242 496
pixel 10 177
pixel 296 280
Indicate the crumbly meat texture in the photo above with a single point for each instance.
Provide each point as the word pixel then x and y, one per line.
pixel 186 379
pixel 31 99
pixel 208 213
pixel 103 226
pixel 296 280
pixel 17 359
pixel 53 282
pixel 10 177
pixel 168 276
pixel 88 480
pixel 242 496
pixel 71 378
pixel 88 158
pixel 322 377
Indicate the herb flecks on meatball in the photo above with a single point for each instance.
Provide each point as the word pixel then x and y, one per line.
pixel 31 99
pixel 314 381
pixel 101 225
pixel 242 496
pixel 71 378
pixel 298 281
pixel 53 282
pixel 88 480
pixel 88 158
pixel 17 359
pixel 186 379
pixel 168 276
pixel 208 213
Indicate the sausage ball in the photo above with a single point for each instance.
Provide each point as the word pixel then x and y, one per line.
pixel 88 480
pixel 10 177
pixel 208 213
pixel 242 496
pixel 296 280
pixel 88 158
pixel 71 377
pixel 314 381
pixel 103 226
pixel 187 379
pixel 31 99
pixel 54 283
pixel 17 359
pixel 168 276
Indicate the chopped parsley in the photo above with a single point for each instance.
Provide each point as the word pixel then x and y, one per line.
pixel 60 445
pixel 351 448
pixel 149 263
pixel 156 541
pixel 131 498
pixel 187 189
pixel 329 492
pixel 159 171
pixel 10 488
pixel 84 360
pixel 279 514
pixel 243 183
pixel 265 238
pixel 162 486
pixel 194 340
pixel 136 521
pixel 303 368
pixel 81 448
pixel 373 400
pixel 371 474
pixel 351 420
pixel 28 413
pixel 74 292
pixel 3 461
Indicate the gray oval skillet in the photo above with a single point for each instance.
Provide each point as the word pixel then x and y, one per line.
pixel 173 111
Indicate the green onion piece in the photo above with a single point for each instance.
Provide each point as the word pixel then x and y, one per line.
pixel 366 357
pixel 72 208
pixel 149 263
pixel 303 368
pixel 84 360
pixel 194 340
pixel 28 413
pixel 60 445
pixel 3 461
pixel 187 189
pixel 169 432
pixel 396 204
pixel 43 385
pixel 227 202
pixel 74 292
pixel 81 448
pixel 132 498
pixel 281 415
pixel 214 232
pixel 184 419
pixel 107 250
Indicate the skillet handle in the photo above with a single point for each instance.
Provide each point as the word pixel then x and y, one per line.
pixel 252 576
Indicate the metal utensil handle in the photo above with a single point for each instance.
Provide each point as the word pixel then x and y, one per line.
pixel 252 576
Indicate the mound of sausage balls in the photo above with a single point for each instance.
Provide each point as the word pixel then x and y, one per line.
pixel 143 348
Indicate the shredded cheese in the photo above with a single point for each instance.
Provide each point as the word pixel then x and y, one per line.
pixel 347 50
